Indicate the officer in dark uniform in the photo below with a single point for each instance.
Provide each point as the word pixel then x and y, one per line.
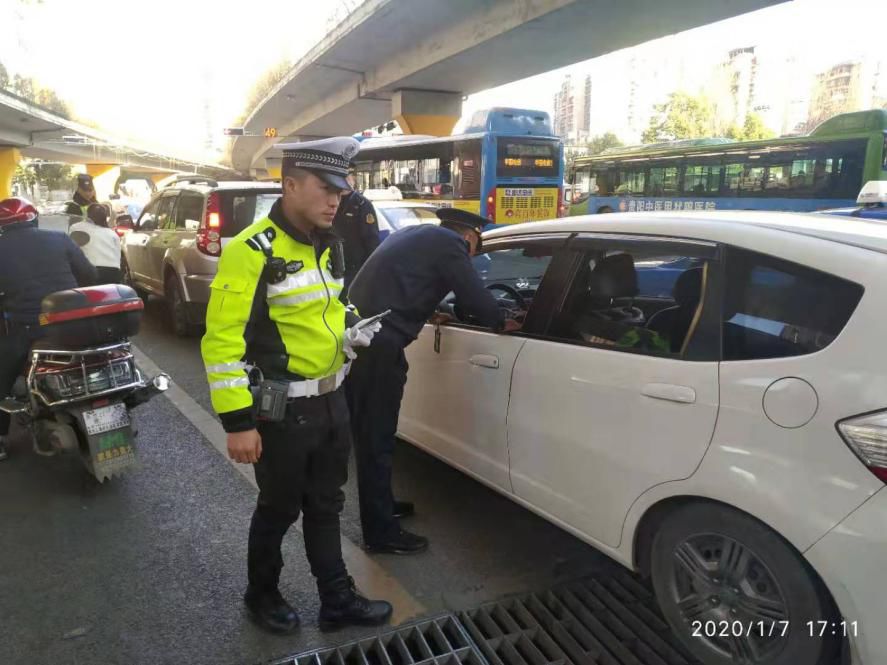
pixel 357 225
pixel 83 196
pixel 410 273
pixel 275 306
pixel 33 264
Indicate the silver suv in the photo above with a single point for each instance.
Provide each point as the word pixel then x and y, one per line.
pixel 173 250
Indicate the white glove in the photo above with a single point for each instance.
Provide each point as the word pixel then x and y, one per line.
pixel 356 337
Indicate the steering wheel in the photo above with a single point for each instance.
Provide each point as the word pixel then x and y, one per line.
pixel 510 290
pixel 630 314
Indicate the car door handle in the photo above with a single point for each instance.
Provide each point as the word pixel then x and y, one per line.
pixel 483 360
pixel 670 392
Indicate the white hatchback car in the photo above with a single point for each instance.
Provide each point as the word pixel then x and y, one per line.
pixel 703 397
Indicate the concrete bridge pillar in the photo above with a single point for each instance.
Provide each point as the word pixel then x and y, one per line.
pixel 9 159
pixel 426 112
pixel 104 177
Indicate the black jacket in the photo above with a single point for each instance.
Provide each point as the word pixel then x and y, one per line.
pixel 74 207
pixel 356 223
pixel 412 271
pixel 35 263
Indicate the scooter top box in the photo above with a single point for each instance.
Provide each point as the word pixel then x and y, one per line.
pixel 90 315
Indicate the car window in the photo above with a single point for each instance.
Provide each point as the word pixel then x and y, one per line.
pixel 189 211
pixel 399 218
pixel 247 208
pixel 513 275
pixel 148 218
pixel 774 308
pixel 642 299
pixel 165 208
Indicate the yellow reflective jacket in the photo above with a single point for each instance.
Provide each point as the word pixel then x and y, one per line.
pixel 299 321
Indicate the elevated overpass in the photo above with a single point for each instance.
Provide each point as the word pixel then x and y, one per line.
pixel 414 60
pixel 27 130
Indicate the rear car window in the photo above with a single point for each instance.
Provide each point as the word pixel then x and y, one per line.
pixel 774 308
pixel 399 218
pixel 242 208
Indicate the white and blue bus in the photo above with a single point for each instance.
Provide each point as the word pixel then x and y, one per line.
pixel 507 166
pixel 823 170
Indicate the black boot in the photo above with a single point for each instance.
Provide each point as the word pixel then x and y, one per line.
pixel 341 606
pixel 270 611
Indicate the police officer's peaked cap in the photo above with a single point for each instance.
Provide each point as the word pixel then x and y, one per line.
pixel 462 218
pixel 328 159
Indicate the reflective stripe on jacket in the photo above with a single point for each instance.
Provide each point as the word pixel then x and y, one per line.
pixel 304 311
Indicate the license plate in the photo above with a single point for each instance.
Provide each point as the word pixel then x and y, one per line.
pixel 518 192
pixel 106 419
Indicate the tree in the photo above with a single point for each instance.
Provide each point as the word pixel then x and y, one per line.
pixel 23 87
pixel 50 175
pixel 753 129
pixel 602 142
pixel 262 88
pixel 682 116
pixel 52 102
pixel 4 77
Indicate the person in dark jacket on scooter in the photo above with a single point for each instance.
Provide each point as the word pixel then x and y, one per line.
pixel 33 264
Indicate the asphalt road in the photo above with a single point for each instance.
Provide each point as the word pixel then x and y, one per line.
pixel 149 568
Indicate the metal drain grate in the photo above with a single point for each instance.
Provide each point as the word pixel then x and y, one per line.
pixel 439 641
pixel 611 620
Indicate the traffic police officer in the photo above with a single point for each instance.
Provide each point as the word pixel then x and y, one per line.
pixel 356 224
pixel 275 306
pixel 410 273
pixel 83 196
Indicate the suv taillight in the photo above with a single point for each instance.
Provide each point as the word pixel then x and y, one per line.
pixel 867 438
pixel 491 205
pixel 209 237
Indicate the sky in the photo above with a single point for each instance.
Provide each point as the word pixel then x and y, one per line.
pixel 144 68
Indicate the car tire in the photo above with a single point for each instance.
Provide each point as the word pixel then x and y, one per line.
pixel 178 315
pixel 604 210
pixel 128 280
pixel 721 576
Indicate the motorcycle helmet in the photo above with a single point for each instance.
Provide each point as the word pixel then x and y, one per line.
pixel 16 210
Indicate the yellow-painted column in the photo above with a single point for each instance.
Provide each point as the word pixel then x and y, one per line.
pixel 104 177
pixel 435 125
pixel 9 159
pixel 157 177
pixel 426 112
pixel 274 172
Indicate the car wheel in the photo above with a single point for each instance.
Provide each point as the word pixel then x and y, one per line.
pixel 178 316
pixel 130 282
pixel 735 592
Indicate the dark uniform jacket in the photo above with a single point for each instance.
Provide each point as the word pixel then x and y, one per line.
pixel 412 271
pixel 78 206
pixel 34 263
pixel 356 224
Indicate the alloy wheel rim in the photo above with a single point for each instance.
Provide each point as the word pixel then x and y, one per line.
pixel 729 598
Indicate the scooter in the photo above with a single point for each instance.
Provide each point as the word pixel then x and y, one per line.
pixel 82 381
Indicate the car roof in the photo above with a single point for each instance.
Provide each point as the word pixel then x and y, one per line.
pixel 404 204
pixel 713 225
pixel 223 185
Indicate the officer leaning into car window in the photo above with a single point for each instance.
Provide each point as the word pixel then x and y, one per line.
pixel 84 195
pixel 275 306
pixel 357 225
pixel 410 274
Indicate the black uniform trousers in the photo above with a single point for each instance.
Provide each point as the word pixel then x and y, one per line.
pixel 15 345
pixel 303 466
pixel 375 389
